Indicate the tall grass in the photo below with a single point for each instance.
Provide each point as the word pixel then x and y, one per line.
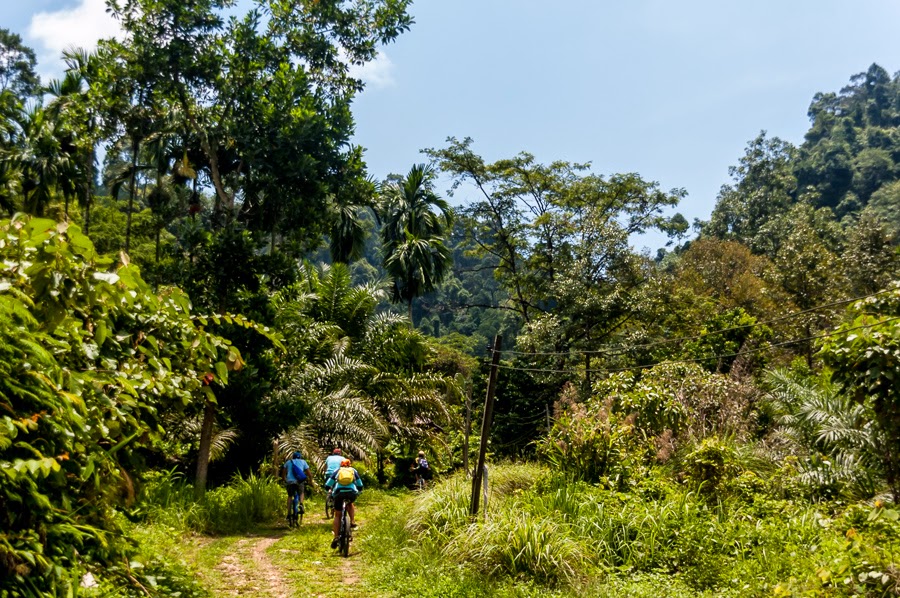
pixel 168 499
pixel 582 539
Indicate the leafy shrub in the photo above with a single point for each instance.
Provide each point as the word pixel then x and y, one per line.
pixel 682 398
pixel 589 442
pixel 155 574
pixel 89 357
pixel 710 464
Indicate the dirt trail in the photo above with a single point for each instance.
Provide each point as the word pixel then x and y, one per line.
pixel 282 563
pixel 348 574
pixel 249 571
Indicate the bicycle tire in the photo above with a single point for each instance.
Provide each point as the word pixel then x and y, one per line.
pixel 329 506
pixel 346 534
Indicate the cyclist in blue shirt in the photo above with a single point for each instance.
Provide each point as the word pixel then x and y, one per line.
pixel 333 462
pixel 345 485
pixel 294 473
pixel 421 469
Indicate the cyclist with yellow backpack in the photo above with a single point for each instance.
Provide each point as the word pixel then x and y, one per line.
pixel 345 485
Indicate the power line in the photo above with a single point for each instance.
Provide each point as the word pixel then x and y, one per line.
pixel 618 349
pixel 513 418
pixel 698 359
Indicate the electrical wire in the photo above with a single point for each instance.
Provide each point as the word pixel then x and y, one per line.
pixel 698 359
pixel 619 349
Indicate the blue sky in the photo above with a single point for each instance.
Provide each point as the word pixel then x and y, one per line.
pixel 672 90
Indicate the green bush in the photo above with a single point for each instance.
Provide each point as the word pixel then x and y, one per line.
pixel 243 503
pixel 589 442
pixel 90 357
pixel 710 464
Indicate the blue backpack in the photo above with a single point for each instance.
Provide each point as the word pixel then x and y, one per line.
pixel 298 473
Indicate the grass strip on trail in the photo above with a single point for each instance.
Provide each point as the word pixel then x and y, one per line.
pixel 275 562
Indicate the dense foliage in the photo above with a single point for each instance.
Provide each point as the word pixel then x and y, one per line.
pixel 92 359
pixel 721 418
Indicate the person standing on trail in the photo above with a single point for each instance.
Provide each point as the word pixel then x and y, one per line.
pixel 345 485
pixel 294 473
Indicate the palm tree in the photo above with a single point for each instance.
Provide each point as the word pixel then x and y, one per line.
pixel 348 234
pixel 71 99
pixel 835 436
pixel 358 373
pixel 413 234
pixel 350 227
pixel 10 176
pixel 45 165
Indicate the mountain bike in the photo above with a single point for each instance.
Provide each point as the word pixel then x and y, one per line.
pixel 294 507
pixel 345 531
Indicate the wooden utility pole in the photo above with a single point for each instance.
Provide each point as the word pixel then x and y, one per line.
pixel 468 430
pixel 486 421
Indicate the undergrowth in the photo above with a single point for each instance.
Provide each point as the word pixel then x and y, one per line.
pixel 543 534
pixel 168 499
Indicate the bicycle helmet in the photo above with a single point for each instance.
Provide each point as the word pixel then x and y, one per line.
pixel 346 463
pixel 297 455
pixel 336 451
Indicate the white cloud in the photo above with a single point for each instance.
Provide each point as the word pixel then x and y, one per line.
pixel 379 73
pixel 80 27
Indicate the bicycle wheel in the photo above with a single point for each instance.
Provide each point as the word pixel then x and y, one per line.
pixel 329 506
pixel 346 533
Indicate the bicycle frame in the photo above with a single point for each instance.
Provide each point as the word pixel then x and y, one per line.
pixel 294 509
pixel 345 532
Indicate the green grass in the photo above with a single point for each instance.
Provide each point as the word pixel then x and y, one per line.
pixel 305 562
pixel 239 506
pixel 544 536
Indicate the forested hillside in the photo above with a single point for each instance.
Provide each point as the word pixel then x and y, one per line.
pixel 228 286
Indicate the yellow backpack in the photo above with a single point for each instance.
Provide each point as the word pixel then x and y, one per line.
pixel 345 476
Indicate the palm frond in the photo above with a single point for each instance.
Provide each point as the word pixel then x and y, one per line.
pixel 834 434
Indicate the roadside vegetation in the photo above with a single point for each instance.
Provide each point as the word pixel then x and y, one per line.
pixel 543 534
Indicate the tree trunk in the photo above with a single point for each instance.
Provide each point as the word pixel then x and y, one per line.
pixel 586 391
pixel 409 311
pixel 134 156
pixel 206 430
pixel 222 197
pixel 467 432
pixel 380 469
pixel 88 189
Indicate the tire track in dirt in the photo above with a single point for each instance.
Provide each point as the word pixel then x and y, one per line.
pixel 269 572
pixel 250 572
